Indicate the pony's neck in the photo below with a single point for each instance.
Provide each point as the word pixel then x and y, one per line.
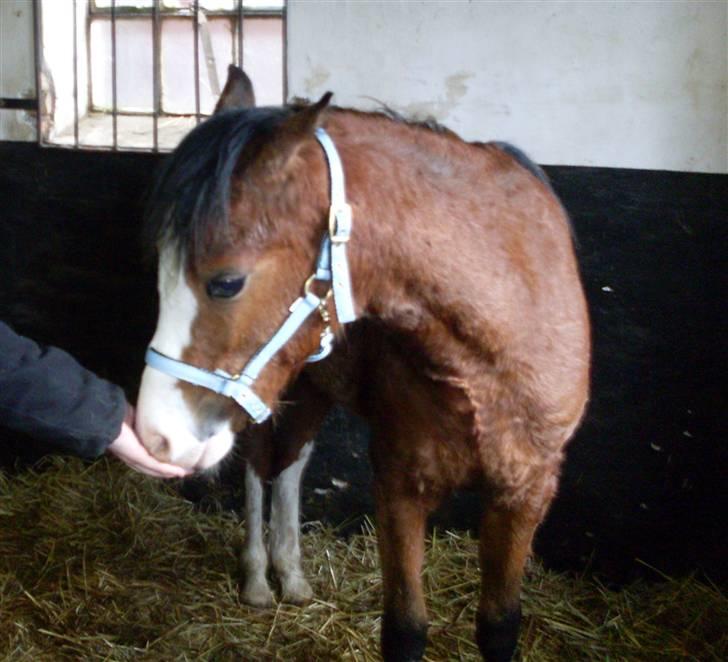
pixel 406 232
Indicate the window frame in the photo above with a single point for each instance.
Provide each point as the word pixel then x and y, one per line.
pixel 158 12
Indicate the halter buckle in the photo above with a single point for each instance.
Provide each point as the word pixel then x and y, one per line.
pixel 340 223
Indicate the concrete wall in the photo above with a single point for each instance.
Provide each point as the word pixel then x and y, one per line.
pixel 622 84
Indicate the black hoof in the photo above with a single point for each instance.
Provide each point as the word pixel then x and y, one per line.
pixel 497 639
pixel 402 641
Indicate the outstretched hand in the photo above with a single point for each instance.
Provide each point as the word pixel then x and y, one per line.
pixel 129 450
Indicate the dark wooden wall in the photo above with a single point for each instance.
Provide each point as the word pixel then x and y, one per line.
pixel 645 475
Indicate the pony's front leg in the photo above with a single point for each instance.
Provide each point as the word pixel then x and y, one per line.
pixel 285 548
pixel 291 445
pixel 401 519
pixel 506 531
pixel 254 558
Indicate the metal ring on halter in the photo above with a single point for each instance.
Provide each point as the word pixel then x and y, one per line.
pixel 308 290
pixel 308 283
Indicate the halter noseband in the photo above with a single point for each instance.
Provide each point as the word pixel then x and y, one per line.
pixel 332 266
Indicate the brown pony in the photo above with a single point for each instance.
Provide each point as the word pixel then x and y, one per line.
pixel 469 355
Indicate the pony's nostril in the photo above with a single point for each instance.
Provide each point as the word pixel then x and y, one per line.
pixel 159 447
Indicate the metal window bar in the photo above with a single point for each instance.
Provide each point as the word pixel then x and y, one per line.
pixel 157 74
pixel 158 14
pixel 114 92
pixel 196 33
pixel 284 17
pixel 239 28
pixel 75 75
pixel 38 53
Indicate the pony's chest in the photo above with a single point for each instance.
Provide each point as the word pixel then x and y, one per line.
pixel 337 378
pixel 375 375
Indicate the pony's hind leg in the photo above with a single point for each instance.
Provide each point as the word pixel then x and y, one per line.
pixel 506 532
pixel 254 558
pixel 285 548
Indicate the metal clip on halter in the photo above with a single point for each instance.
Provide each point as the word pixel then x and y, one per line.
pixel 326 340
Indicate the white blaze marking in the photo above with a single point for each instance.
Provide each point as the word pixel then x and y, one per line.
pixel 177 307
pixel 162 411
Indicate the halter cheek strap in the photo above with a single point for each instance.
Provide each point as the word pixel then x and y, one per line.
pixel 340 222
pixel 332 266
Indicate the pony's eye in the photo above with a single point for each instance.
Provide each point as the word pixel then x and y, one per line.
pixel 225 286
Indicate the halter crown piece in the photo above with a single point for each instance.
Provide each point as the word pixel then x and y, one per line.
pixel 332 266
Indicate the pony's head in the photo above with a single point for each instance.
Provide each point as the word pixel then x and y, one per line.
pixel 237 215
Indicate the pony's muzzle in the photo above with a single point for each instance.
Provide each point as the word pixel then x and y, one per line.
pixel 186 450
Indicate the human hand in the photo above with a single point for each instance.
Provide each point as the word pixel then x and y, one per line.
pixel 129 450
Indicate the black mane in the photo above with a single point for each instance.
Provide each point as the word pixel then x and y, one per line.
pixel 191 192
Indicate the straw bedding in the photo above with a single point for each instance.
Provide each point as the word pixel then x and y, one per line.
pixel 100 563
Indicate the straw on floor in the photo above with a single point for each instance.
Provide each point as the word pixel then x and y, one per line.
pixel 100 563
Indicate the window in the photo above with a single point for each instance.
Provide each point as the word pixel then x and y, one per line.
pixel 139 74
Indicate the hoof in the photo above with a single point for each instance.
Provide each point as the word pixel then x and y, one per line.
pixel 257 594
pixel 402 640
pixel 497 639
pixel 295 590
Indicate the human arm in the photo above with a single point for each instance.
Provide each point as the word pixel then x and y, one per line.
pixel 46 393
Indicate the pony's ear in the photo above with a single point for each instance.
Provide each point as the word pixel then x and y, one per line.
pixel 304 122
pixel 283 148
pixel 238 91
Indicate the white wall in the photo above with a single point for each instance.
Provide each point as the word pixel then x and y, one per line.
pixel 17 67
pixel 623 84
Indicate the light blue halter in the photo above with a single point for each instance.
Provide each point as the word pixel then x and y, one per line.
pixel 331 266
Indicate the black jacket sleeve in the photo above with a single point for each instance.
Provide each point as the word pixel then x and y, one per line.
pixel 46 393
